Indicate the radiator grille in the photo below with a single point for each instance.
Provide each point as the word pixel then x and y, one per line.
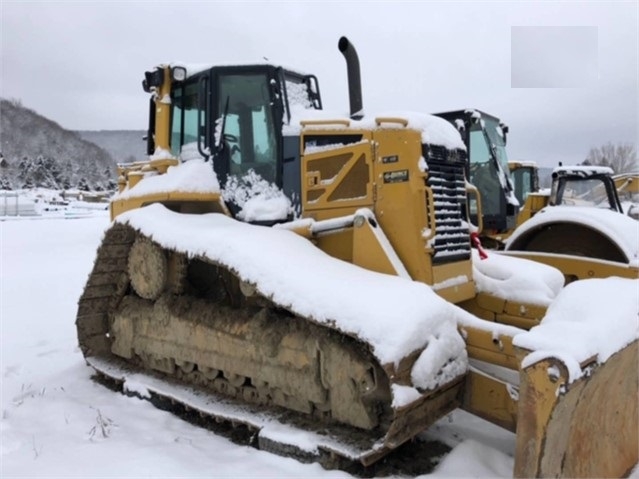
pixel 451 241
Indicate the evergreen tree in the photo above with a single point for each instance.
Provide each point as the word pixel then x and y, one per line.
pixel 83 184
pixel 5 183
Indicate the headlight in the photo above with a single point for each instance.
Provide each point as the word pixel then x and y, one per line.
pixel 178 73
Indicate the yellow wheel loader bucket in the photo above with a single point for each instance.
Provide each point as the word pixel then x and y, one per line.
pixel 588 428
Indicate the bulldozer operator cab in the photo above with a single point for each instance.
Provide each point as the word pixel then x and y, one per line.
pixel 487 167
pixel 234 116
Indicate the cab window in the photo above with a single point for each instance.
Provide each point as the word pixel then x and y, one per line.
pixel 184 121
pixel 249 131
pixel 483 173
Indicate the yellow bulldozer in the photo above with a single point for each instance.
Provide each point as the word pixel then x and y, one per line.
pixel 294 272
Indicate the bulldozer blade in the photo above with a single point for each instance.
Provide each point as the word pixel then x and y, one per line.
pixel 586 428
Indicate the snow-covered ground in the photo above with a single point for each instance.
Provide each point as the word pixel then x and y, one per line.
pixel 41 203
pixel 57 422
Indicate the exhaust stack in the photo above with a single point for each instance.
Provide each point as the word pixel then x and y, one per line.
pixel 354 80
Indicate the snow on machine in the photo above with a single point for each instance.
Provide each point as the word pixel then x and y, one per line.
pixel 585 230
pixel 508 195
pixel 299 274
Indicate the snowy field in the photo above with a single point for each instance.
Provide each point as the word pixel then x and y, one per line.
pixel 57 422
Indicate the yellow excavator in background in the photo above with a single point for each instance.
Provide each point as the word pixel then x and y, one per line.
pixel 193 297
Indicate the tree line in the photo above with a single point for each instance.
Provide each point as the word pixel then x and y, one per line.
pixel 47 172
pixel 622 158
pixel 38 153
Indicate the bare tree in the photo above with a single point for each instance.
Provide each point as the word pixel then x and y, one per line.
pixel 622 158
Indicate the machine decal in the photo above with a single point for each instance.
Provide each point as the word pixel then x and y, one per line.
pixel 397 176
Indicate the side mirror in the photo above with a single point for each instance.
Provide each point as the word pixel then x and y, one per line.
pixel 504 130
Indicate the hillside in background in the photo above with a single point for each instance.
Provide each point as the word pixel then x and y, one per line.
pixel 124 146
pixel 37 152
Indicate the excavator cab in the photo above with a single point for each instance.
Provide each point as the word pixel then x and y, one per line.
pixel 487 167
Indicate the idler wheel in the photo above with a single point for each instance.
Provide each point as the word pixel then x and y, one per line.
pixel 148 267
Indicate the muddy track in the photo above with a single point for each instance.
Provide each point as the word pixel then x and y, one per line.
pixel 413 458
pixel 109 290
pixel 105 288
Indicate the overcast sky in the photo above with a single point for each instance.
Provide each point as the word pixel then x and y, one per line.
pixel 561 90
